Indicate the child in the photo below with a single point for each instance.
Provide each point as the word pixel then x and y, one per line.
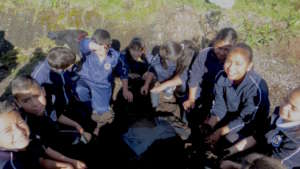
pixel 15 139
pixel 54 75
pixel 182 69
pixel 205 68
pixel 241 104
pixel 179 80
pixel 281 140
pixel 138 80
pixel 96 75
pixel 40 114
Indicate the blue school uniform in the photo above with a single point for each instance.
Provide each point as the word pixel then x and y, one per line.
pixel 161 73
pixel 96 78
pixel 57 84
pixel 283 141
pixel 203 74
pixel 241 107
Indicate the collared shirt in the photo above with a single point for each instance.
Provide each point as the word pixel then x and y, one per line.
pixel 203 73
pixel 161 73
pixel 284 140
pixel 243 104
pixel 100 73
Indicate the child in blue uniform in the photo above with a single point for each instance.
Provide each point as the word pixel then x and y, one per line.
pixel 96 75
pixel 179 81
pixel 139 80
pixel 55 76
pixel 281 137
pixel 241 99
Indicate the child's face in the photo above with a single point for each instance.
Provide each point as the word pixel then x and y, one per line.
pixel 221 49
pixel 236 66
pixel 135 53
pixel 290 108
pixel 33 102
pixel 100 49
pixel 14 132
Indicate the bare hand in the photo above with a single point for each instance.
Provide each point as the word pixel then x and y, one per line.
pixel 145 90
pixel 188 104
pixel 127 95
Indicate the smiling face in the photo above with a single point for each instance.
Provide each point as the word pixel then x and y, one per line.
pixel 290 108
pixel 236 66
pixel 33 101
pixel 14 132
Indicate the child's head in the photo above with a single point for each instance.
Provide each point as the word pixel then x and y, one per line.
pixel 225 38
pixel 189 51
pixel 103 39
pixel 14 132
pixel 170 51
pixel 290 108
pixel 61 58
pixel 238 62
pixel 29 95
pixel 136 47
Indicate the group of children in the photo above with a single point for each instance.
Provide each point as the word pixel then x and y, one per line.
pixel 213 98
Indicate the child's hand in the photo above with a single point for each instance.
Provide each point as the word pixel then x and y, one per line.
pixel 127 95
pixel 79 164
pixel 188 104
pixel 213 138
pixel 145 90
pixel 79 129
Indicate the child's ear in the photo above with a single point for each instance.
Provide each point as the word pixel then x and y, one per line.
pixel 250 66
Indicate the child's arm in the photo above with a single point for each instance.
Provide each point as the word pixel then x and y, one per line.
pixel 230 165
pixel 190 102
pixel 60 157
pixel 242 145
pixel 69 122
pixel 170 83
pixel 148 79
pixel 126 93
pixel 50 164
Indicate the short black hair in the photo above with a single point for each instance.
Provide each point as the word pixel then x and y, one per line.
pixel 244 49
pixel 101 37
pixel 61 57
pixel 136 43
pixel 227 35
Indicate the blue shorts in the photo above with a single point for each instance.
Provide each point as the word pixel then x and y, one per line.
pixel 96 97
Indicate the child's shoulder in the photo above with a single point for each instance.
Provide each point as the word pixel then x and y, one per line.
pixel 41 71
pixel 221 78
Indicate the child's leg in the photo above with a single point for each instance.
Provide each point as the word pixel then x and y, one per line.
pixel 102 113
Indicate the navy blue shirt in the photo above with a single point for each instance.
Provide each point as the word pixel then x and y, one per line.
pixel 282 141
pixel 58 85
pixel 240 106
pixel 203 73
pixel 101 73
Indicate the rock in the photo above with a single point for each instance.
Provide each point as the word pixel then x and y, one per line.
pixel 226 4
